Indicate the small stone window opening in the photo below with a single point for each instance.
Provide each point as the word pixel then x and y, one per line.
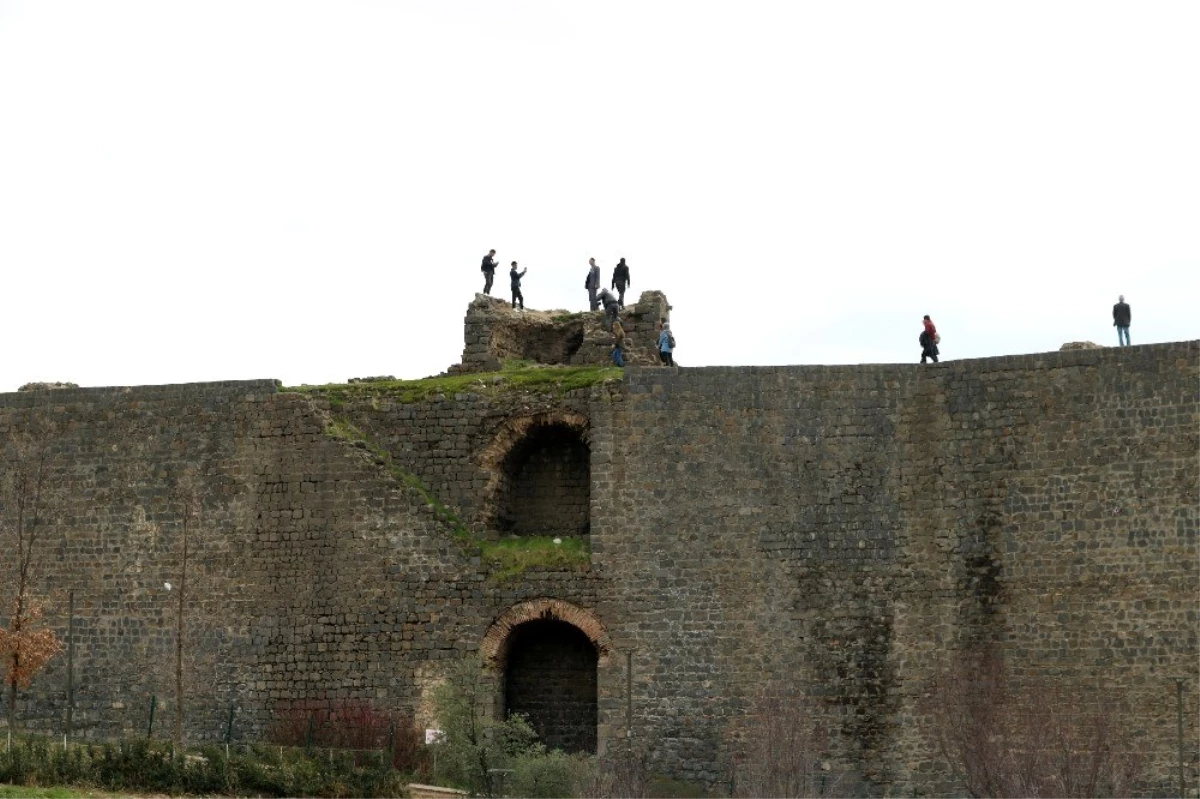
pixel 546 484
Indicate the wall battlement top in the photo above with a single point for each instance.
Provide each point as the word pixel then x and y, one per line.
pixel 59 396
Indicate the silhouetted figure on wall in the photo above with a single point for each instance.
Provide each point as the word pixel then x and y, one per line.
pixel 620 280
pixel 592 284
pixel 489 271
pixel 1121 318
pixel 928 340
pixel 515 277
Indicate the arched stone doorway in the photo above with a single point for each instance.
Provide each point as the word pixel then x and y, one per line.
pixel 548 652
pixel 540 476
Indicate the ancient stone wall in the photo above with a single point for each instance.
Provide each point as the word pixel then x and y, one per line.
pixel 852 528
pixel 841 530
pixel 314 572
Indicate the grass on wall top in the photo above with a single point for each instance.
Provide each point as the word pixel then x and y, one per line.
pixel 515 376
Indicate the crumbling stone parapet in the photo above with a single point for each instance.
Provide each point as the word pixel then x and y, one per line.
pixel 495 332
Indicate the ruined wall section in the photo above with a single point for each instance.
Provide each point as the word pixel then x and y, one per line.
pixel 315 574
pixel 495 333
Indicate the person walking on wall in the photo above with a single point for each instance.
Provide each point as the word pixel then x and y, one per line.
pixel 618 353
pixel 489 271
pixel 929 339
pixel 611 306
pixel 620 281
pixel 592 284
pixel 1121 317
pixel 515 277
pixel 666 345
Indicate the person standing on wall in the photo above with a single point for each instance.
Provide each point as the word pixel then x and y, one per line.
pixel 515 277
pixel 592 284
pixel 489 271
pixel 928 340
pixel 620 280
pixel 1121 318
pixel 666 345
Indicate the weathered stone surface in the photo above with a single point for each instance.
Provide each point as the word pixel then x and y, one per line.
pixel 47 386
pixel 849 526
pixel 496 332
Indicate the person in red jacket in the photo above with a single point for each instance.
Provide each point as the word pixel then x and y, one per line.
pixel 929 340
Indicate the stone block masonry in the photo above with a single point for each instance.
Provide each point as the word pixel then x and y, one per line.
pixel 494 333
pixel 844 529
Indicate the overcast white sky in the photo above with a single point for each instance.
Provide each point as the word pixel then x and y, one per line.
pixel 304 190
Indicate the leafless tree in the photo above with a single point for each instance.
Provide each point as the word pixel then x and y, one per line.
pixel 784 748
pixel 1031 740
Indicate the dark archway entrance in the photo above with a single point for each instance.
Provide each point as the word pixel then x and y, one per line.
pixel 546 483
pixel 550 676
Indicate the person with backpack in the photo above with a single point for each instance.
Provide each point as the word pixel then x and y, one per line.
pixel 515 277
pixel 666 345
pixel 929 340
pixel 489 271
pixel 620 280
pixel 592 284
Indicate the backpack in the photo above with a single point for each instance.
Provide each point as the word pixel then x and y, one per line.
pixel 587 281
pixel 671 339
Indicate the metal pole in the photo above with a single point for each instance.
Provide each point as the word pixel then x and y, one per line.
pixel 1179 730
pixel 70 661
pixel 150 726
pixel 229 726
pixel 629 695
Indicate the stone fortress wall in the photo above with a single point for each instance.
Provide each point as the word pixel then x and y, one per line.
pixel 848 528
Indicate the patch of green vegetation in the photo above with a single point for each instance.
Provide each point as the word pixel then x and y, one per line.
pixel 345 430
pixel 512 557
pixel 668 788
pixel 516 376
pixel 23 791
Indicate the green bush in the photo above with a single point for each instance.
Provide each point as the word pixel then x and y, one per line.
pixel 142 766
pixel 539 773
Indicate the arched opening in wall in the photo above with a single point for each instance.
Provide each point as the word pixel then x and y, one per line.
pixel 545 483
pixel 550 677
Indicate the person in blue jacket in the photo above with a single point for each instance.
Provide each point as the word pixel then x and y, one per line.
pixel 666 345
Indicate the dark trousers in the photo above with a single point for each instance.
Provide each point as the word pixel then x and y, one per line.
pixel 487 282
pixel 621 294
pixel 518 297
pixel 666 358
pixel 929 352
pixel 618 356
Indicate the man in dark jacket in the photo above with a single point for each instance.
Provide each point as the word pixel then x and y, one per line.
pixel 515 277
pixel 489 270
pixel 620 281
pixel 1121 317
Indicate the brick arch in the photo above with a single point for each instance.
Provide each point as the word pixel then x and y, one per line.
pixel 504 443
pixel 494 646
